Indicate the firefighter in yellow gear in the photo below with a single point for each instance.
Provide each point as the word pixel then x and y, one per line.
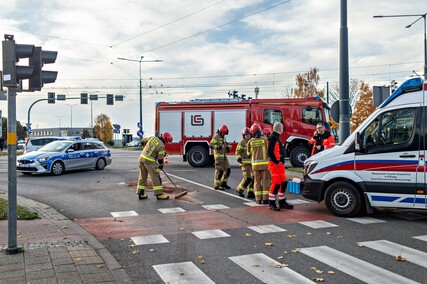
pixel 151 161
pixel 222 167
pixel 257 149
pixel 245 164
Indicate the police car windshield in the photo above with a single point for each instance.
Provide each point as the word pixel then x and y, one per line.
pixel 56 146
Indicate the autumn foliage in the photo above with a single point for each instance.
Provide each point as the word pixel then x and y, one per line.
pixel 363 108
pixel 103 128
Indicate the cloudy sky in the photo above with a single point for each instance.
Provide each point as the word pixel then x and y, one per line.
pixel 207 48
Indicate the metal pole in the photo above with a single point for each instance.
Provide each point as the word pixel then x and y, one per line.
pixel 91 119
pixel 12 247
pixel 29 112
pixel 425 49
pixel 140 96
pixel 344 76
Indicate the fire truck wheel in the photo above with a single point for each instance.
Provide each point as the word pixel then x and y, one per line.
pixel 343 199
pixel 298 156
pixel 198 156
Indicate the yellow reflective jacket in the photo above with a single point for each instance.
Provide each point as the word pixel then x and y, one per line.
pixel 257 149
pixel 154 149
pixel 219 145
pixel 242 152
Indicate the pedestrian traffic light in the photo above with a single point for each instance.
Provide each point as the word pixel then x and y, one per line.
pixel 50 98
pixel 110 99
pixel 40 77
pixel 83 98
pixel 12 52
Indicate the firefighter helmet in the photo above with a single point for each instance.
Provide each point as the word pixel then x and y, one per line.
pixel 167 137
pixel 267 131
pixel 255 127
pixel 246 131
pixel 223 129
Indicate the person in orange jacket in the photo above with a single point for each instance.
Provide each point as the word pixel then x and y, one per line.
pixel 276 165
pixel 321 139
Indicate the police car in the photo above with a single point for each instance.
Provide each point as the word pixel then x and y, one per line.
pixel 59 156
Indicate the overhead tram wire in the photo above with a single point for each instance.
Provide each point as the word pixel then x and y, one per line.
pixel 169 23
pixel 216 27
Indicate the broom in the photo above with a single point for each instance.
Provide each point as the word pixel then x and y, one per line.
pixel 181 193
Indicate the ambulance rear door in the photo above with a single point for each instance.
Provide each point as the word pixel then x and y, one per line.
pixel 389 162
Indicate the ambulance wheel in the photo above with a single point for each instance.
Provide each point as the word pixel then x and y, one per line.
pixel 198 156
pixel 343 199
pixel 298 156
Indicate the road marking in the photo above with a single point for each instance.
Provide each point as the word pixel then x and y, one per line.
pixel 184 170
pixel 354 267
pixel 184 272
pixel 263 229
pixel 171 210
pixel 296 201
pixel 215 207
pixel 208 187
pixel 267 269
pixel 423 238
pixel 124 214
pixel 210 234
pixel 149 240
pixel 318 224
pixel 393 249
pixel 253 204
pixel 366 220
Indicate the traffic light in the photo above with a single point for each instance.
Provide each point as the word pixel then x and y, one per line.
pixel 118 98
pixel 110 99
pixel 12 52
pixel 50 98
pixel 83 98
pixel 40 77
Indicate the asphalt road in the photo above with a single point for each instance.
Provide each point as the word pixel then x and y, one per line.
pixel 232 241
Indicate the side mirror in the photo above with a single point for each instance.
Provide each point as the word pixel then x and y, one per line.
pixel 357 142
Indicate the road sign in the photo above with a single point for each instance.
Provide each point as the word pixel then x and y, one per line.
pixel 138 125
pixel 116 127
pixel 116 131
pixel 140 133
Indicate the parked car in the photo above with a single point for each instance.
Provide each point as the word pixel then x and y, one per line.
pixel 134 143
pixel 35 143
pixel 20 145
pixel 60 156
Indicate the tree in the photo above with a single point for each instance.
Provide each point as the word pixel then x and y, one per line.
pixel 353 96
pixel 103 128
pixel 307 84
pixel 85 133
pixel 363 108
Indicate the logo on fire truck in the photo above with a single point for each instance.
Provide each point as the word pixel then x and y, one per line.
pixel 197 120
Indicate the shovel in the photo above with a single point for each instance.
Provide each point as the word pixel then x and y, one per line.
pixel 181 193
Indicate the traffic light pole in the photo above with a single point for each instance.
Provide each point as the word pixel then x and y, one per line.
pixel 12 247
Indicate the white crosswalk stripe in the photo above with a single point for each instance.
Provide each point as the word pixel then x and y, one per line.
pixel 319 224
pixel 124 214
pixel 422 238
pixel 184 272
pixel 210 234
pixel 354 267
pixel 393 249
pixel 263 229
pixel 267 269
pixel 366 220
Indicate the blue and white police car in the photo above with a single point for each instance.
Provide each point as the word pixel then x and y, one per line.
pixel 62 155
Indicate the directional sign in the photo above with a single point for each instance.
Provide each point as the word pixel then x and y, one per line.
pixel 116 131
pixel 140 133
pixel 116 126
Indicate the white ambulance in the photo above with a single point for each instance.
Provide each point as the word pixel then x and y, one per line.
pixel 382 164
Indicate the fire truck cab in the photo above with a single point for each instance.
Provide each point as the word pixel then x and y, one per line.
pixel 193 123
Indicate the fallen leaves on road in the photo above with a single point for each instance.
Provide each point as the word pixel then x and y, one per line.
pixel 99 266
pixel 292 236
pixel 328 233
pixel 318 279
pixel 151 250
pixel 132 246
pixel 280 257
pixel 360 245
pixel 295 250
pixel 400 258
pixel 268 244
pixel 309 233
pixel 331 272
pixel 248 235
pixel 281 265
pixel 117 220
pixel 255 265
pixel 134 252
pixel 64 227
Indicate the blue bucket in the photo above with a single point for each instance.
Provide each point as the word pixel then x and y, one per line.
pixel 294 187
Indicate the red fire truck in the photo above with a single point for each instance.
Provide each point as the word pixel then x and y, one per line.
pixel 193 123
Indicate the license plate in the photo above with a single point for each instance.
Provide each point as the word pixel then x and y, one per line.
pixel 24 165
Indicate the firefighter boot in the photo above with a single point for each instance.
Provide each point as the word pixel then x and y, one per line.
pixel 162 197
pixel 218 188
pixel 251 195
pixel 224 185
pixel 240 192
pixel 265 202
pixel 272 205
pixel 285 205
pixel 142 195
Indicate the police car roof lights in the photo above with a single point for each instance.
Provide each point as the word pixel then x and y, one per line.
pixel 410 85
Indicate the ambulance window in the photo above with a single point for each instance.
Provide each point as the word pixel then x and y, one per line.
pixel 271 116
pixel 311 115
pixel 391 128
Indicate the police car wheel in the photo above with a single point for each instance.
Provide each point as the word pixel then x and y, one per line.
pixel 343 199
pixel 100 164
pixel 57 168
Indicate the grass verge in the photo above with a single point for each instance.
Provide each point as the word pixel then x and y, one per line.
pixel 22 213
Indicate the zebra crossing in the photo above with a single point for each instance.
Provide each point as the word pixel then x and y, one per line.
pixel 267 269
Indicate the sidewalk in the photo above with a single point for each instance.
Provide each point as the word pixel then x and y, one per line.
pixel 57 250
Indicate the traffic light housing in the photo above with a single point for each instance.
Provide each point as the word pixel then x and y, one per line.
pixel 50 98
pixel 40 77
pixel 83 98
pixel 110 99
pixel 12 52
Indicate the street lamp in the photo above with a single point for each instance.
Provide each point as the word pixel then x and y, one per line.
pixel 410 25
pixel 141 132
pixel 59 127
pixel 71 120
